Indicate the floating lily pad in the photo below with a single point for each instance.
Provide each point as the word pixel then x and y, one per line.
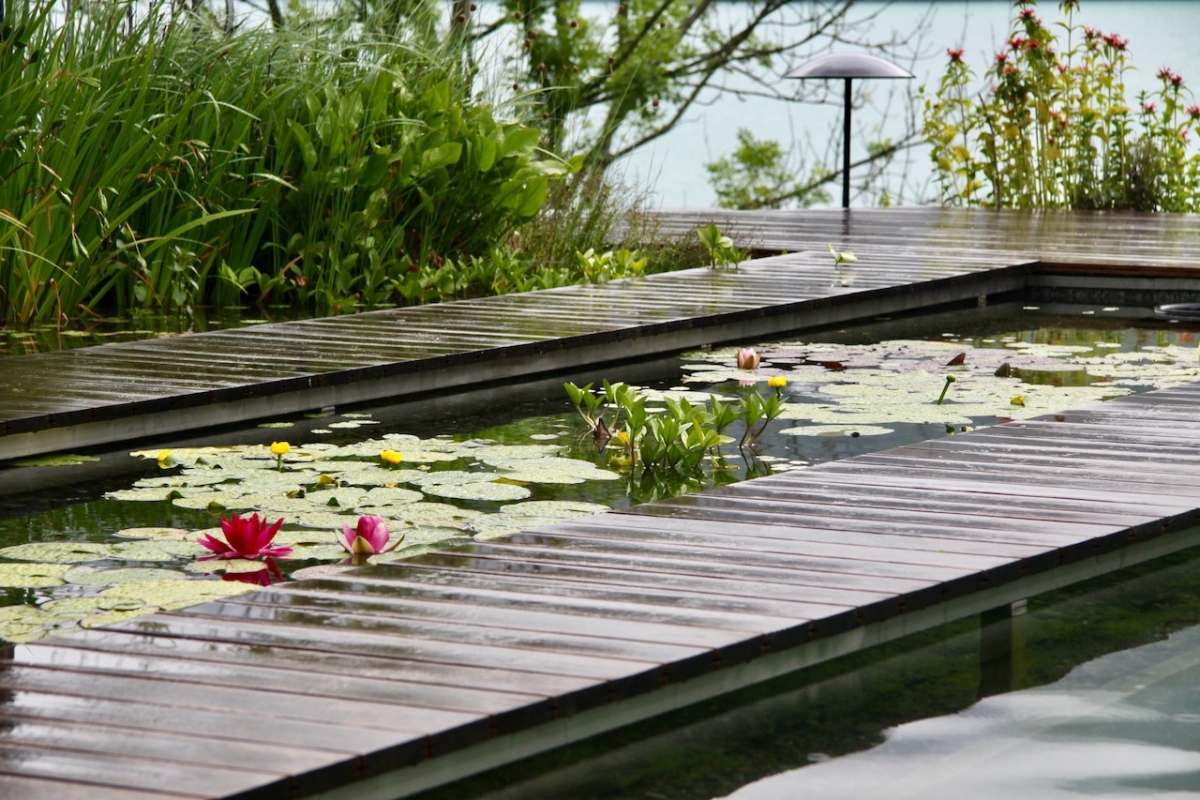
pixel 492 490
pixel 553 509
pixel 89 576
pixel 159 534
pixel 155 550
pixel 231 565
pixel 320 571
pixel 60 552
pixel 178 594
pixel 64 460
pixel 23 576
pixel 837 430
pixel 494 526
pixel 447 477
pixel 325 520
pixel 277 425
pixel 386 496
pixel 319 552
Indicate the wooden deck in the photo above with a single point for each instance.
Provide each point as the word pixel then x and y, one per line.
pixel 907 259
pixel 390 679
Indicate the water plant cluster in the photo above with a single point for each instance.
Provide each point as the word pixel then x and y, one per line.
pixel 1052 125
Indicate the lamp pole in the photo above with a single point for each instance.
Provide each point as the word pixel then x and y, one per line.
pixel 848 66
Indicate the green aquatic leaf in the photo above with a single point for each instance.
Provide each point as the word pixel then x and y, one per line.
pixel 89 576
pixel 27 576
pixel 491 491
pixel 230 565
pixel 561 509
pixel 319 552
pixel 178 594
pixel 156 550
pixel 60 552
pixel 63 460
pixel 837 430
pixel 162 534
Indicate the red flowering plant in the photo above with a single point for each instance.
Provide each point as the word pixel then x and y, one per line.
pixel 245 538
pixel 1052 126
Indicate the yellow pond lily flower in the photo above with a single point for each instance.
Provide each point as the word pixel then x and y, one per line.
pixel 777 381
pixel 391 457
pixel 280 448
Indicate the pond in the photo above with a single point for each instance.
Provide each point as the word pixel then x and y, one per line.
pixel 1105 703
pixel 123 535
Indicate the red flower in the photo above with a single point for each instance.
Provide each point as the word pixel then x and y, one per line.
pixel 1177 80
pixel 262 577
pixel 1016 43
pixel 1090 33
pixel 1193 112
pixel 1149 108
pixel 1001 58
pixel 1027 13
pixel 1032 44
pixel 1116 42
pixel 245 538
pixel 955 56
pixel 1165 73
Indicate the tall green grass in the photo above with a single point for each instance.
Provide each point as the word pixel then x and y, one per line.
pixel 166 164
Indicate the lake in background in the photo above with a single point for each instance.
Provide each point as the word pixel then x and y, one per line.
pixel 1161 33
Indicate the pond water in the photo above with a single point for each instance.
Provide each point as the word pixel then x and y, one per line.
pixel 122 537
pixel 1104 702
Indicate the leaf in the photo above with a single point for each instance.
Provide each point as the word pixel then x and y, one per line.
pixel 957 361
pixel 64 460
pixel 307 152
pixel 60 552
pixel 27 576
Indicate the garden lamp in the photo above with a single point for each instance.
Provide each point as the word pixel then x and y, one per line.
pixel 848 66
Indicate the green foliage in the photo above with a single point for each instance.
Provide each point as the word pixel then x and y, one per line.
pixel 757 176
pixel 1055 128
pixel 171 165
pixel 673 444
pixel 721 250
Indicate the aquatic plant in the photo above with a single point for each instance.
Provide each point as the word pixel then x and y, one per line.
pixel 245 538
pixel 370 537
pixel 279 450
pixel 748 359
pixel 721 249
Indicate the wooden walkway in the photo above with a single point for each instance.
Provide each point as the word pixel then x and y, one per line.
pixel 390 679
pixel 907 259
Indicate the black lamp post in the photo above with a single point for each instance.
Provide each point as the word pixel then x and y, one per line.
pixel 848 66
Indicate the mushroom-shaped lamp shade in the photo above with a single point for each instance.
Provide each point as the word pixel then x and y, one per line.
pixel 848 66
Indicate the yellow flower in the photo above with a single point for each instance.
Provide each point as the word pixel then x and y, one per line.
pixel 163 455
pixel 777 381
pixel 280 448
pixel 391 456
pixel 1019 400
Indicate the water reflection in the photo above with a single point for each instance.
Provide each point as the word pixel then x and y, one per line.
pixel 1127 724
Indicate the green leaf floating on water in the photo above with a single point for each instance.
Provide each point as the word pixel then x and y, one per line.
pixel 163 534
pixel 27 576
pixel 89 576
pixel 61 552
pixel 479 491
pixel 564 509
pixel 65 460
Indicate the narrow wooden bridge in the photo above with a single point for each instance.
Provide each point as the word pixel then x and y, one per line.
pixel 391 679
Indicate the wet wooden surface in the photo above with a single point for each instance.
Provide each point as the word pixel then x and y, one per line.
pixel 897 250
pixel 321 684
pixel 317 684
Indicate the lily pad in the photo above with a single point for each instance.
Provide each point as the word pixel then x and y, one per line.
pixel 60 552
pixel 563 509
pixel 232 565
pixel 837 430
pixel 447 477
pixel 178 594
pixel 492 491
pixel 318 552
pixel 27 576
pixel 89 576
pixel 158 534
pixel 103 618
pixel 155 550
pixel 64 460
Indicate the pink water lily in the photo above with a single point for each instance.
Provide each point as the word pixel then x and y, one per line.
pixel 369 538
pixel 245 538
pixel 748 358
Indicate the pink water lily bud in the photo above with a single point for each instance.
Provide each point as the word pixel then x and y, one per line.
pixel 748 358
pixel 245 538
pixel 368 538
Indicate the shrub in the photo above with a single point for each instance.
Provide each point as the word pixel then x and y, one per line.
pixel 1053 128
